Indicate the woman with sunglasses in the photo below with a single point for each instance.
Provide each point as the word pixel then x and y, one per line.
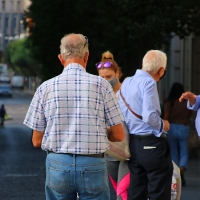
pixel 109 70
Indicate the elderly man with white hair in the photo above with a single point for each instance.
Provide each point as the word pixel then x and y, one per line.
pixel 150 164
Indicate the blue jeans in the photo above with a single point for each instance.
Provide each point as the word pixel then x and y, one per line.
pixel 177 137
pixel 67 175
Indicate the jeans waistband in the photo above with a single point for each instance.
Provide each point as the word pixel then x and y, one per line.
pixel 146 137
pixel 100 155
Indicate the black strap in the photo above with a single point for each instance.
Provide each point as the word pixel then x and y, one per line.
pixel 138 116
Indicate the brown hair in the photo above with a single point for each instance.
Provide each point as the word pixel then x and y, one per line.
pixel 108 56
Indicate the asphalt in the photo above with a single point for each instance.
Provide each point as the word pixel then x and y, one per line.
pixel 191 191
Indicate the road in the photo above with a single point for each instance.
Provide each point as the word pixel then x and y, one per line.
pixel 22 167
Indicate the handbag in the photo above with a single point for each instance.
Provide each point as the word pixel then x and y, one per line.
pixel 176 183
pixel 120 150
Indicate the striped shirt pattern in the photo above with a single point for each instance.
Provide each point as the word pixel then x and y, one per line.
pixel 72 110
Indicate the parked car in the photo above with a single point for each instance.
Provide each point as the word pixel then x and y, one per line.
pixel 17 81
pixel 5 78
pixel 5 90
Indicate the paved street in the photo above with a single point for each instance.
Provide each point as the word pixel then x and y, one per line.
pixel 22 167
pixel 192 189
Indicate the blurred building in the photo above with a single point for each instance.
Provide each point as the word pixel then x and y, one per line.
pixel 11 24
pixel 183 65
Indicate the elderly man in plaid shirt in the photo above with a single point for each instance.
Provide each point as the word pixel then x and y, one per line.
pixel 68 114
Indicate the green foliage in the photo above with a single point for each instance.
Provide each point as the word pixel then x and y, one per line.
pixel 19 56
pixel 128 28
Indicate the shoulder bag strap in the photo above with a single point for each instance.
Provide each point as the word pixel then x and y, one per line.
pixel 138 116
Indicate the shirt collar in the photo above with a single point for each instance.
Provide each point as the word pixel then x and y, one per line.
pixel 141 72
pixel 74 66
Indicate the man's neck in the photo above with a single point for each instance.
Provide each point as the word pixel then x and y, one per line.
pixel 75 60
pixel 154 75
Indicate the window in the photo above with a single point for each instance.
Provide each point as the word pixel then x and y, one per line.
pixel 3 5
pixel 6 25
pixel 18 5
pixel 14 24
pixel 11 5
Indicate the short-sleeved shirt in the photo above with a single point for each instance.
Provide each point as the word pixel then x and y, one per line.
pixel 72 110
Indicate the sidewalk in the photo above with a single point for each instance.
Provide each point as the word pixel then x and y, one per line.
pixel 192 189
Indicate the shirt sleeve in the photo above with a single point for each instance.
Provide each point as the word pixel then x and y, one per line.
pixel 196 106
pixel 151 108
pixel 113 113
pixel 35 118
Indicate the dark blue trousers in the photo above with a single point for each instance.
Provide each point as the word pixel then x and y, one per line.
pixel 151 169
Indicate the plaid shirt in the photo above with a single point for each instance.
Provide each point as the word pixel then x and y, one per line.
pixel 72 110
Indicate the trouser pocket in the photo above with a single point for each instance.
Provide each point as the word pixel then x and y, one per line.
pixel 58 179
pixel 95 179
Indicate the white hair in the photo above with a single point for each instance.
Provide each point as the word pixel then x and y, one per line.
pixel 154 60
pixel 73 48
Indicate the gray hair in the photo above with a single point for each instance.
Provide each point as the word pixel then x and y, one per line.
pixel 154 60
pixel 73 47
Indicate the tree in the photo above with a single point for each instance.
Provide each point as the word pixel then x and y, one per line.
pixel 128 28
pixel 20 58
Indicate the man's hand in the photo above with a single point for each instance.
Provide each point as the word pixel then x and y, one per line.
pixel 191 97
pixel 166 125
pixel 37 138
pixel 116 133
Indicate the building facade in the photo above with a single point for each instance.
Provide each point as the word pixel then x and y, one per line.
pixel 183 61
pixel 11 24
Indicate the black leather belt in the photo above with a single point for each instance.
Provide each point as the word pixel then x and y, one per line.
pixel 146 137
pixel 100 155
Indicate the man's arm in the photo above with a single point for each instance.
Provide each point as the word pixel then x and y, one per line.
pixel 150 108
pixel 37 138
pixel 116 133
pixel 191 97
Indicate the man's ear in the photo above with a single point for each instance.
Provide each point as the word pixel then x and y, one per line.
pixel 161 71
pixel 61 59
pixel 86 57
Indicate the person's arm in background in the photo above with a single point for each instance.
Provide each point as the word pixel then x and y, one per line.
pixel 191 97
pixel 166 111
pixel 37 138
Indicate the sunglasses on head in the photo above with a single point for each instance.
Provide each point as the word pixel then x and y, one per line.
pixel 86 41
pixel 104 64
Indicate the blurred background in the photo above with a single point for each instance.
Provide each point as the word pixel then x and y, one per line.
pixel 30 33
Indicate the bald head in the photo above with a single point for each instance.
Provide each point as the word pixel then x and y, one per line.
pixel 154 60
pixel 73 46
